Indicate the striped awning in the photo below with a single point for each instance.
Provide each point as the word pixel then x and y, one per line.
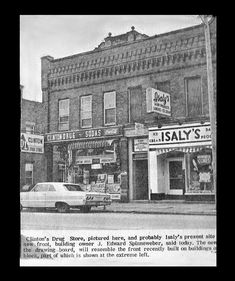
pixel 182 149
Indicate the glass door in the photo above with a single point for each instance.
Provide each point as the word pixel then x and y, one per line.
pixel 176 176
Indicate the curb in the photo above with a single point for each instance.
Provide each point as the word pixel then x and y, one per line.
pixel 162 213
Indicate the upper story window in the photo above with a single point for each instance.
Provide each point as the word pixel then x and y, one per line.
pixel 86 111
pixel 30 127
pixel 64 114
pixel 193 89
pixel 110 108
pixel 135 104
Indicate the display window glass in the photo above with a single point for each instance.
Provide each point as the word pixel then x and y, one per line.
pixel 200 172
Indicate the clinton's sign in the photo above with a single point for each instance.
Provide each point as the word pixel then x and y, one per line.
pixel 83 134
pixel 32 143
pixel 176 136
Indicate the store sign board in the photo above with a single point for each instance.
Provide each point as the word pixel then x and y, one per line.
pixel 32 143
pixel 158 101
pixel 140 145
pixel 180 136
pixel 83 134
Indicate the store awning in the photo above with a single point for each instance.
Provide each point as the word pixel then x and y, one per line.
pixel 182 149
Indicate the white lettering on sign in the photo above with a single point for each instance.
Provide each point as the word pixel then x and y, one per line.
pixel 93 133
pixel 196 134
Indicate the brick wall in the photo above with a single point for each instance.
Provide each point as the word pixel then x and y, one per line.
pixel 172 56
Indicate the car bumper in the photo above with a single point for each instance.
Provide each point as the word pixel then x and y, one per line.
pixel 97 203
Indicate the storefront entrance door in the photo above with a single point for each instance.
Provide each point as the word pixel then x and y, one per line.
pixel 141 179
pixel 176 176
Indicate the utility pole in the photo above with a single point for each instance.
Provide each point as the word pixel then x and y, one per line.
pixel 211 98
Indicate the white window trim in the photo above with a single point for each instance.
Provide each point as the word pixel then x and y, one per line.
pixel 59 116
pixel 81 112
pixel 113 123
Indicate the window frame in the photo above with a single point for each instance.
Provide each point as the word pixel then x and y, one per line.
pixel 186 79
pixel 25 177
pixel 59 116
pixel 115 115
pixel 27 123
pixel 129 102
pixel 81 111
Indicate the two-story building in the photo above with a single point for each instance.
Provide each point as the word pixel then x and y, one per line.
pixel 102 124
pixel 32 157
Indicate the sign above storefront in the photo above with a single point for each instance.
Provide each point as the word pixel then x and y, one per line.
pixel 32 143
pixel 158 101
pixel 83 134
pixel 140 145
pixel 180 136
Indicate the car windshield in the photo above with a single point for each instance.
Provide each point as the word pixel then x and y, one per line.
pixel 73 187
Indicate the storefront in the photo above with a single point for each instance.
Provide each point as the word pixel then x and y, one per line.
pixel 138 163
pixel 180 161
pixel 90 158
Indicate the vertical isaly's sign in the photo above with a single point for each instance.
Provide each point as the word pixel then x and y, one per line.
pixel 158 101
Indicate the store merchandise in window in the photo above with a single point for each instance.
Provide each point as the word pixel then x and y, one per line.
pixel 200 174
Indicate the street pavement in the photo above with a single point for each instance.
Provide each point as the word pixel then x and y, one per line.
pixel 177 207
pixel 100 220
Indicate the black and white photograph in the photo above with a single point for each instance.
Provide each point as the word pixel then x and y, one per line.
pixel 117 140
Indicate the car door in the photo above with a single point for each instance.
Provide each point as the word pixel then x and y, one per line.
pixel 52 196
pixel 37 196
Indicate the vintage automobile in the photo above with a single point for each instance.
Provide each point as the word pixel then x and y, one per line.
pixel 62 196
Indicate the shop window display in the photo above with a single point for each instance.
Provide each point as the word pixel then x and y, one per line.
pixel 96 169
pixel 200 172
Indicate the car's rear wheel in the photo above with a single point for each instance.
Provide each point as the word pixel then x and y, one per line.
pixel 86 209
pixel 62 207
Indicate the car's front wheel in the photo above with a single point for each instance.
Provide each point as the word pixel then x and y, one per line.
pixel 62 207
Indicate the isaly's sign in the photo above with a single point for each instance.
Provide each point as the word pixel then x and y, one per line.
pixel 158 101
pixel 184 135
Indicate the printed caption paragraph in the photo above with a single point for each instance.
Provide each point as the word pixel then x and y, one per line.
pixel 127 246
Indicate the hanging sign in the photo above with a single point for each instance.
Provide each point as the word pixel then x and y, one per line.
pixel 158 101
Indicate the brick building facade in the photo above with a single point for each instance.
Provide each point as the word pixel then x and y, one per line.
pixel 95 101
pixel 32 163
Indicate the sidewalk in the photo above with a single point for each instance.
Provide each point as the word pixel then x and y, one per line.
pixel 176 207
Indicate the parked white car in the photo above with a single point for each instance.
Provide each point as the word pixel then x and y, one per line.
pixel 62 196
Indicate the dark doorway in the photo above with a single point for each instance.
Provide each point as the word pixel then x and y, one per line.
pixel 141 179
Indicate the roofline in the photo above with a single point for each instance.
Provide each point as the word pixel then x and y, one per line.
pixel 133 42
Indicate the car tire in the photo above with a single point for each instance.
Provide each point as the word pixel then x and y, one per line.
pixel 85 209
pixel 62 207
pixel 21 207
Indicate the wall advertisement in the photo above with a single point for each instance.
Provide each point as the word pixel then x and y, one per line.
pixel 31 143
